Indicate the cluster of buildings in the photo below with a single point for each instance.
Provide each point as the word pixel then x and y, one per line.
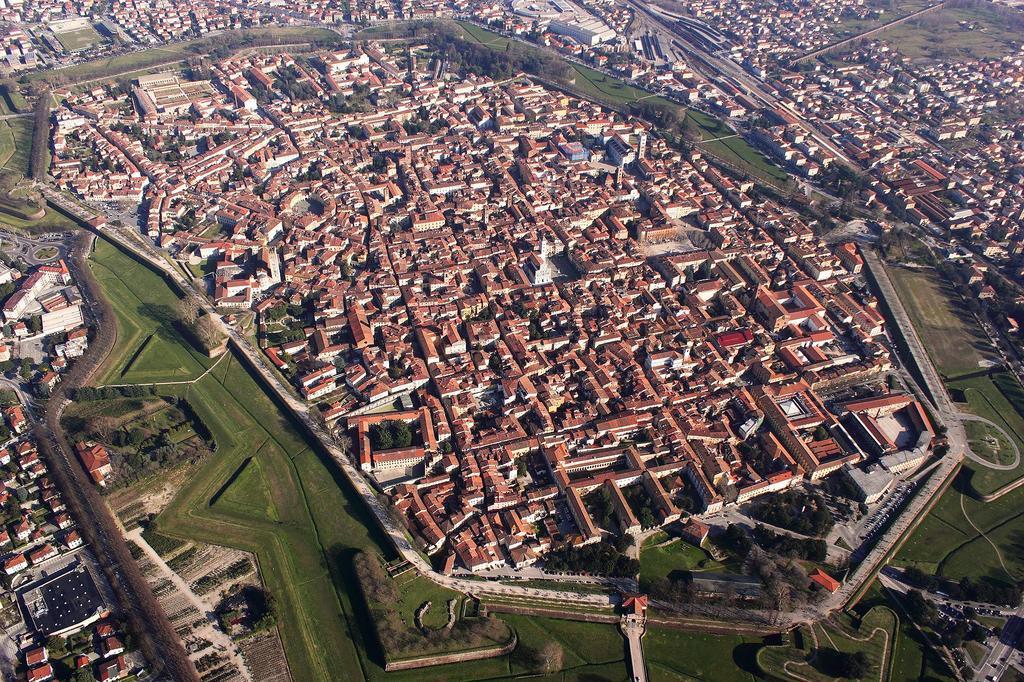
pixel 38 528
pixel 51 579
pixel 43 320
pixel 933 138
pixel 560 304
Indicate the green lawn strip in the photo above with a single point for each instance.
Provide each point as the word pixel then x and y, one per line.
pixel 21 138
pixel 7 144
pixel 701 656
pixel 950 334
pixel 291 558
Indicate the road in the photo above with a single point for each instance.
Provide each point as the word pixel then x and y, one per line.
pixel 1000 653
pixel 160 644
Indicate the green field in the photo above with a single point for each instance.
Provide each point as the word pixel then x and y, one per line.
pixel 955 343
pixel 675 557
pixel 16 145
pixel 872 634
pixel 990 443
pixel 149 347
pixel 616 92
pixel 984 30
pixel 78 39
pixel 946 543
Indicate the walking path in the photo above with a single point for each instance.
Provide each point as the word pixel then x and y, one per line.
pixel 999 555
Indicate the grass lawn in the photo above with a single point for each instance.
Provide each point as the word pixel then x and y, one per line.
pixel 677 655
pixel 989 442
pixel 676 557
pixel 18 142
pixel 946 543
pixel 148 347
pixel 78 39
pixel 247 492
pixel 7 144
pixel 872 634
pixel 955 343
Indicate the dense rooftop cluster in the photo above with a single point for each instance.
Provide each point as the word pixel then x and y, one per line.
pixel 558 300
pixel 939 141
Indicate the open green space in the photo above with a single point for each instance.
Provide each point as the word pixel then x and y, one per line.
pixel 947 544
pixel 678 655
pixel 79 38
pixel 247 492
pixel 949 332
pixel 149 347
pixel 989 442
pixel 676 556
pixel 813 652
pixel 16 145
pixel 973 31
pixel 616 92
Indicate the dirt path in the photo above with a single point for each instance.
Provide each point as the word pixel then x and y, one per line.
pixel 212 632
pixel 999 555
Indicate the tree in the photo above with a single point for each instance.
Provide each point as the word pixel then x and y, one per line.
pixel 549 657
pixel 853 666
pixel 57 647
pixel 207 332
pixel 188 310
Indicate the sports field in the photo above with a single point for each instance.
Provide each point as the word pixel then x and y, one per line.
pixel 79 38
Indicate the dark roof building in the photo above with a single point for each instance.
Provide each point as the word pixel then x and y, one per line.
pixel 63 602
